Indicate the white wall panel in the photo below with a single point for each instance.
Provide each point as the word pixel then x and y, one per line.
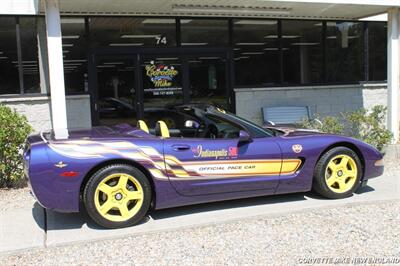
pixel 19 7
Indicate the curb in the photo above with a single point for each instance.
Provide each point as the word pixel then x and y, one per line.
pixel 22 230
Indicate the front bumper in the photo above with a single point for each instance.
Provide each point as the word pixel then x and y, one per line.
pixel 375 171
pixel 373 164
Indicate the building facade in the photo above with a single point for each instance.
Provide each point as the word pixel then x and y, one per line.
pixel 83 63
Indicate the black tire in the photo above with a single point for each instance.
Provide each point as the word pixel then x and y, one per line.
pixel 319 182
pixel 96 179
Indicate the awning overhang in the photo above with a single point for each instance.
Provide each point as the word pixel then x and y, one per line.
pixel 304 9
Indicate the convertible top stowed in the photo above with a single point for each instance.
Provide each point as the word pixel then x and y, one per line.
pixel 200 154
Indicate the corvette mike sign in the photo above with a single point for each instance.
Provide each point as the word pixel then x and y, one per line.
pixel 163 79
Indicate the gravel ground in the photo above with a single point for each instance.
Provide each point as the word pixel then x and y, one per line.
pixel 370 231
pixel 15 199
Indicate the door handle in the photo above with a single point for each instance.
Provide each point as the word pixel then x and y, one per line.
pixel 180 147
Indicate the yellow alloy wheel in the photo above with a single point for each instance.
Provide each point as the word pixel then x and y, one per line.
pixel 118 197
pixel 341 173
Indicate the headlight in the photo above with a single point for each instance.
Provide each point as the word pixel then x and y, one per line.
pixel 379 162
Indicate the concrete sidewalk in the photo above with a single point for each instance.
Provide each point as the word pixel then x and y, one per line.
pixel 22 229
pixel 26 228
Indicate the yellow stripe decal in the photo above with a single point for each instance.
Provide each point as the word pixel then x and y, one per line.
pixel 190 170
pixel 239 168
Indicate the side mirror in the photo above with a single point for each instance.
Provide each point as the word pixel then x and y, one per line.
pixel 192 124
pixel 244 136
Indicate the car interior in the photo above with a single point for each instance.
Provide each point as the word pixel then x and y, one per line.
pixel 192 125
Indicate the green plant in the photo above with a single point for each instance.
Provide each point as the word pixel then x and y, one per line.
pixel 368 126
pixel 328 124
pixel 14 129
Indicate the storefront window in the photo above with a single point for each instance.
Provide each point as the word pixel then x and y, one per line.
pixel 302 52
pixel 344 52
pixel 75 55
pixel 377 37
pixel 9 81
pixel 116 91
pixel 204 32
pixel 29 50
pixel 132 32
pixel 207 75
pixel 256 52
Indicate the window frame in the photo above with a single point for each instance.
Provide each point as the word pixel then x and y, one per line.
pixel 18 44
pixel 365 49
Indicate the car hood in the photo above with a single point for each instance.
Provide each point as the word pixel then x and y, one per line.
pixel 294 132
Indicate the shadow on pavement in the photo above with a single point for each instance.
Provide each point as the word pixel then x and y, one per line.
pixel 61 221
pixel 230 204
pixel 64 221
pixel 361 190
pixel 365 189
pixel 38 214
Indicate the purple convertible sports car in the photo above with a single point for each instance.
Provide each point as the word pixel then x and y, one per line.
pixel 120 172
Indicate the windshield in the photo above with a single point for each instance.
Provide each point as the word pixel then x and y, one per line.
pixel 218 123
pixel 255 130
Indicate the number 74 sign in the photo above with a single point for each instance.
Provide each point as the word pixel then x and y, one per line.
pixel 161 40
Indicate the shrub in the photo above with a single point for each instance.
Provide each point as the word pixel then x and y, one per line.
pixel 368 126
pixel 14 129
pixel 329 124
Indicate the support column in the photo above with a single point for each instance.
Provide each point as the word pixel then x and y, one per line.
pixel 393 71
pixel 56 69
pixel 42 54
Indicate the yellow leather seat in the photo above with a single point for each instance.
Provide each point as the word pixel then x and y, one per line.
pixel 143 126
pixel 161 128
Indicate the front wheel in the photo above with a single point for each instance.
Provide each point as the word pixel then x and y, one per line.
pixel 117 196
pixel 337 173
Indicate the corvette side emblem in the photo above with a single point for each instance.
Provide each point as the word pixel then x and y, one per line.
pixel 297 148
pixel 60 164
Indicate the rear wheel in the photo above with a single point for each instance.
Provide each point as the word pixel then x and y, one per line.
pixel 337 173
pixel 117 196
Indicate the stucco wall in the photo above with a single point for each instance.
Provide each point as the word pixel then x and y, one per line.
pixel 324 100
pixel 38 111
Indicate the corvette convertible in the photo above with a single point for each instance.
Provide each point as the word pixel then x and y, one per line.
pixel 118 174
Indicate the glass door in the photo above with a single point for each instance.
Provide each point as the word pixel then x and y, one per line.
pixel 208 80
pixel 116 90
pixel 162 78
pixel 143 84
